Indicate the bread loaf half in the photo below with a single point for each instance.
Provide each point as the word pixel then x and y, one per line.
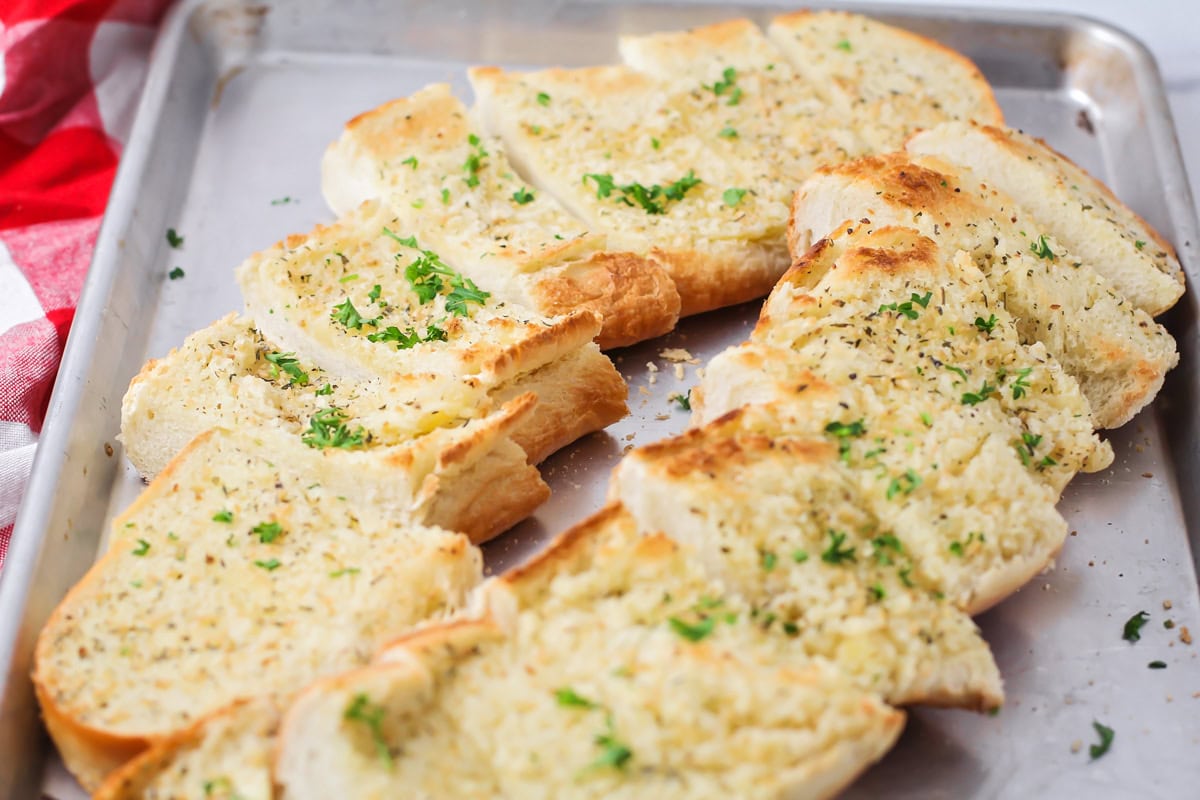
pixel 573 681
pixel 453 188
pixel 251 566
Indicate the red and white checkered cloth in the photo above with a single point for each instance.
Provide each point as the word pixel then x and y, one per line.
pixel 70 75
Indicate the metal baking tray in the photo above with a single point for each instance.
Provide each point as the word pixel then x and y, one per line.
pixel 240 102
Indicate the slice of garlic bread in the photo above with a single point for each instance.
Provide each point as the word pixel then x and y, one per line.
pixel 746 101
pixel 361 300
pixel 618 149
pixel 251 566
pixel 452 187
pixel 883 81
pixel 574 681
pixel 225 756
pixel 1075 208
pixel 1115 350
pixel 455 454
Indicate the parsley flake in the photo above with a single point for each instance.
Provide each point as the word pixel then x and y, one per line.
pixel 844 44
pixel 270 565
pixel 903 484
pixel 408 338
pixel 361 710
pixel 727 85
pixel 837 553
pixel 174 239
pixel 543 99
pixel 267 532
pixel 327 429
pixel 522 196
pixel 176 273
pixel 1021 383
pixel 289 364
pixel 411 161
pixel 769 560
pixel 142 548
pixel 1139 244
pixel 1041 248
pixel 1106 739
pixel 728 133
pixel 986 325
pixel 884 546
pixel 975 398
pixel 475 161
pixel 844 432
pixel 800 556
pixel 614 753
pixel 733 196
pixel 568 697
pixel 445 197
pixel 1157 665
pixel 349 316
pixel 906 308
pixel 683 400
pixel 652 200
pixel 225 515
pixel 327 389
pixel 1132 631
pixel 692 632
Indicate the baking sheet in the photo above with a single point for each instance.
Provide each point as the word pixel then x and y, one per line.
pixel 242 100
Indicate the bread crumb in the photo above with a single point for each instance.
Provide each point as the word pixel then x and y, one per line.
pixel 679 372
pixel 1147 474
pixel 700 373
pixel 1166 605
pixel 661 417
pixel 1185 635
pixel 651 366
pixel 1076 746
pixel 653 370
pixel 643 390
pixel 678 355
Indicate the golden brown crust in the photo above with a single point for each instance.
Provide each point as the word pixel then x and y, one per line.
pixel 711 280
pixel 634 296
pixel 578 394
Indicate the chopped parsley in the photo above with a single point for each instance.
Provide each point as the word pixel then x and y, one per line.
pixel 727 86
pixel 1139 244
pixel 769 560
pixel 289 364
pixel 174 239
pixel 986 325
pixel 903 484
pixel 614 753
pixel 683 400
pixel 1157 665
pixel 975 398
pixel 960 548
pixel 906 308
pixel 959 371
pixel 567 696
pixel 1027 446
pixel 844 44
pixel 1106 739
pixel 474 162
pixel 522 196
pixel 327 389
pixel 445 197
pixel 844 432
pixel 283 201
pixel 693 632
pixel 800 556
pixel 427 273
pixel 1132 631
pixel 1041 248
pixel 269 565
pixel 221 784
pixel 655 143
pixel 373 295
pixel 877 592
pixel 408 338
pixel 411 161
pixel 224 515
pixel 176 273
pixel 927 419
pixel 267 532
pixel 337 573
pixel 837 552
pixel 1021 383
pixel 543 99
pixel 142 548
pixel 652 200
pixel 728 133
pixel 733 196
pixel 349 316
pixel 361 710
pixel 884 543
pixel 327 428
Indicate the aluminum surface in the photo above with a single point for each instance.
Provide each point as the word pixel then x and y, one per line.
pixel 239 106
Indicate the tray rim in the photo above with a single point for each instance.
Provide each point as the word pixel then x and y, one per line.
pixel 36 511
